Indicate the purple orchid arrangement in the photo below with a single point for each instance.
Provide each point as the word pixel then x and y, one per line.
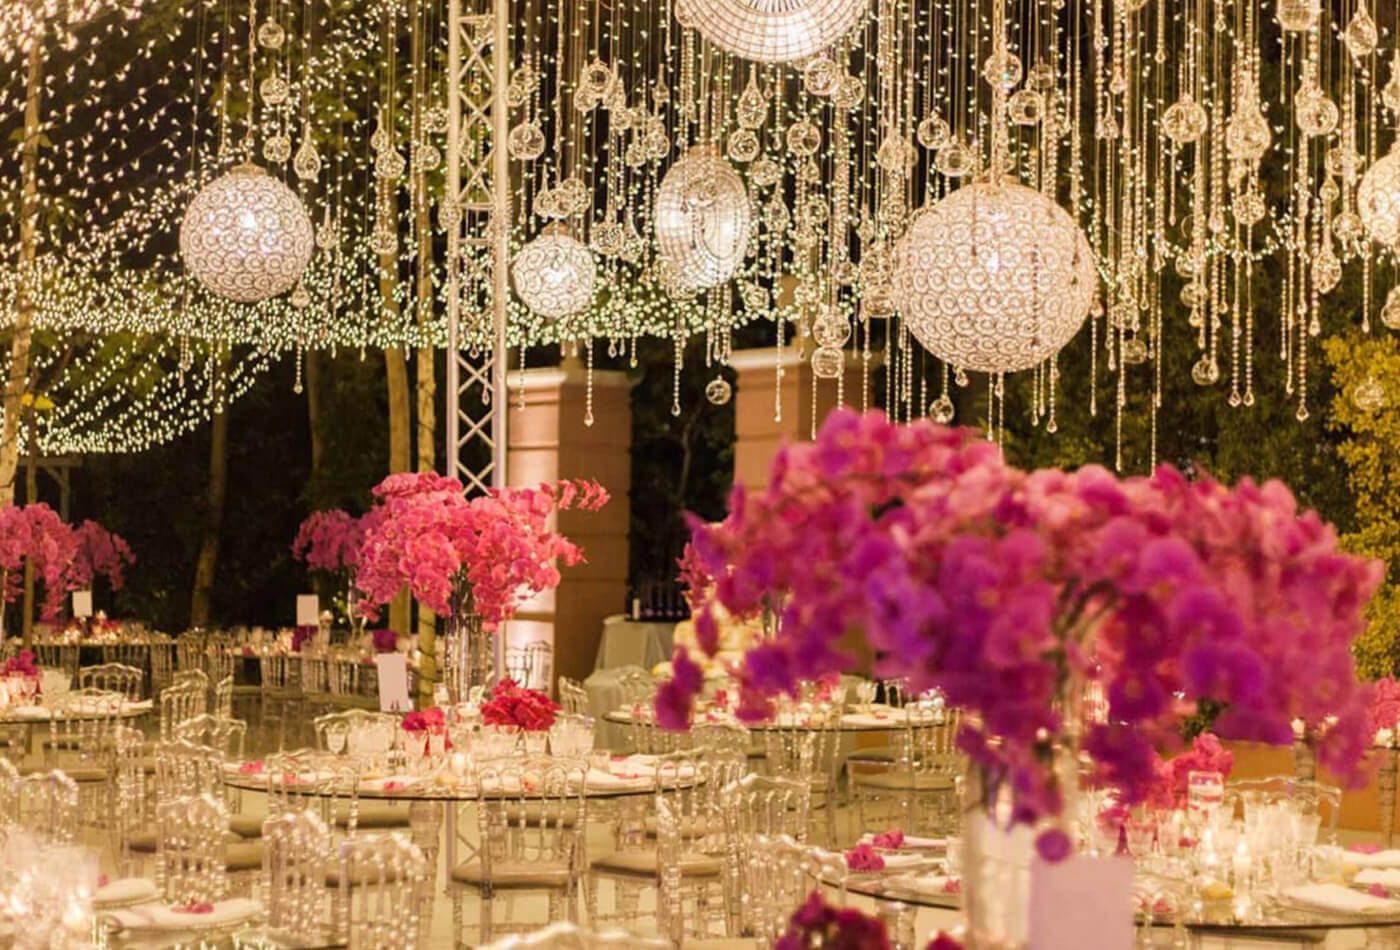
pixel 329 541
pixel 1011 591
pixel 819 924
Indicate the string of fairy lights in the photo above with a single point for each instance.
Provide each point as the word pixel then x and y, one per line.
pixel 1214 170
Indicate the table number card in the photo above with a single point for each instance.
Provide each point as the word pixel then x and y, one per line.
pixel 82 603
pixel 393 682
pixel 308 610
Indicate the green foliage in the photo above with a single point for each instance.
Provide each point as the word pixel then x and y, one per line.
pixel 1368 450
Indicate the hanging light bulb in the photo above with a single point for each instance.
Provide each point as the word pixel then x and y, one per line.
pixel 246 236
pixel 702 220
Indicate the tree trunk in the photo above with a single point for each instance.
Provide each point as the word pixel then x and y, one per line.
pixel 24 310
pixel 31 495
pixel 396 378
pixel 208 562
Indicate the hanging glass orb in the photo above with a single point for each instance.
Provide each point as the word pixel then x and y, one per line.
pixel 1206 372
pixel 743 146
pixel 821 76
pixel 849 92
pixel 271 35
pixel 1297 15
pixel 1184 121
pixel 803 138
pixel 246 236
pixel 831 329
pixel 277 149
pixel 1361 36
pixel 1313 111
pixel 941 410
pixel 827 362
pixel 1025 107
pixel 766 173
pixel 772 31
pixel 1249 208
pixel 955 160
pixel 274 90
pixel 554 273
pixel 718 391
pixel 1378 200
pixel 1368 396
pixel 933 133
pixel 1390 312
pixel 1247 135
pixel 702 219
pixel 994 278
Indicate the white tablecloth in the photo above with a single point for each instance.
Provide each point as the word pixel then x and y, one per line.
pixel 633 643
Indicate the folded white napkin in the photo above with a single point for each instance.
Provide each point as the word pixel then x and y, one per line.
pixel 138 706
pixel 1386 877
pixel 922 884
pixel 160 917
pixel 911 842
pixel 606 781
pixel 1380 859
pixel 1335 897
pixel 896 861
pixel 875 720
pixel 125 890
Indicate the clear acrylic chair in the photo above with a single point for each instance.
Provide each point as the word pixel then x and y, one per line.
pixel 296 851
pixel 280 694
pixel 809 751
pixel 129 812
pixel 179 703
pixel 45 804
pixel 189 849
pixel 223 697
pixel 227 735
pixel 189 651
pixel 757 805
pixel 572 696
pixel 58 656
pixel 383 886
pixel 781 873
pixel 128 681
pixel 530 666
pixel 680 852
pixel 195 677
pixel 162 658
pixel 922 781
pixel 530 814
pixel 1308 797
pixel 80 743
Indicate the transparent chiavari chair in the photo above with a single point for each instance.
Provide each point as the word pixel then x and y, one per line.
pixel 162 658
pixel 530 666
pixel 226 734
pixel 781 873
pixel 189 851
pixel 530 814
pixel 80 743
pixel 757 805
pixel 218 660
pixel 46 804
pixel 724 737
pixel 810 752
pixel 682 852
pixel 195 677
pixel 383 887
pixel 179 703
pixel 296 852
pixel 638 699
pixel 280 693
pixel 114 678
pixel 189 651
pixel 316 681
pixel 572 696
pixel 129 786
pixel 223 697
pixel 129 652
pixel 344 680
pixel 922 781
pixel 295 780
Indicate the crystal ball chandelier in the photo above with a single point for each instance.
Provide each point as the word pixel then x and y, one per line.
pixel 246 236
pixel 554 274
pixel 994 278
pixel 1378 200
pixel 702 220
pixel 772 31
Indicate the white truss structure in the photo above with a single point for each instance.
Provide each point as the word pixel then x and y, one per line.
pixel 477 213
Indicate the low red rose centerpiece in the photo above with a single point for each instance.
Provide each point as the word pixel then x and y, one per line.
pixel 512 705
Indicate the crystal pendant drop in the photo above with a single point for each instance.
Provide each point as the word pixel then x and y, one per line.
pixel 1361 35
pixel 1368 396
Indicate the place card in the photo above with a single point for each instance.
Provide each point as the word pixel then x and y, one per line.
pixel 82 603
pixel 308 610
pixel 1068 900
pixel 393 682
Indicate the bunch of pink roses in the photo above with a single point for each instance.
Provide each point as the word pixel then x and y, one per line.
pixel 329 541
pixel 1009 590
pixel 496 549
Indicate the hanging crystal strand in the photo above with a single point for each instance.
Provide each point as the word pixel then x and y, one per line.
pixel 588 386
pixel 296 385
pixel 991 407
pixel 678 342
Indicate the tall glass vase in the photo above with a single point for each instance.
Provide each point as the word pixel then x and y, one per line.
pixel 1385 786
pixel 469 657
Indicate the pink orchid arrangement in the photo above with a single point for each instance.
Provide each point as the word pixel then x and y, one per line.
pixel 495 550
pixel 64 558
pixel 1205 755
pixel 329 541
pixel 1384 708
pixel 1011 591
pixel 21 665
pixel 101 552
pixel 819 924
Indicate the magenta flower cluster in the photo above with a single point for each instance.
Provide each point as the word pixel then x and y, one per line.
pixel 329 541
pixel 497 549
pixel 1384 711
pixel 1002 588
pixel 64 558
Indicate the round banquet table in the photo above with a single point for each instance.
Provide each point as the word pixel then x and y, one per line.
pixel 880 719
pixel 1267 920
pixel 31 717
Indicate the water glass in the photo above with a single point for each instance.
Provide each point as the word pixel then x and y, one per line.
pixel 1205 791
